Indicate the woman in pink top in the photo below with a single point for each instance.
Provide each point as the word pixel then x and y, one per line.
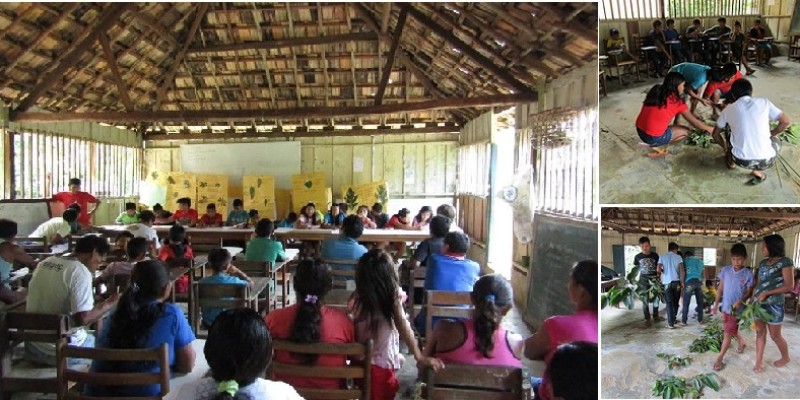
pixel 379 315
pixel 310 321
pixel 480 340
pixel 580 326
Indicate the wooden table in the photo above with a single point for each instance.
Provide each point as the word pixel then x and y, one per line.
pixel 224 233
pixel 369 235
pixel 200 369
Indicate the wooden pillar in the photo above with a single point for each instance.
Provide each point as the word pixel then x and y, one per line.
pixel 8 154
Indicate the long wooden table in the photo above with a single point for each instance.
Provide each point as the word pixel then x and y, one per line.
pixel 224 233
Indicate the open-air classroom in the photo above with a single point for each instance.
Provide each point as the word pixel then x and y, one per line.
pixel 299 200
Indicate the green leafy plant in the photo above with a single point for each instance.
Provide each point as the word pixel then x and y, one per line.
pixel 623 292
pixel 751 312
pixel 710 340
pixel 677 388
pixel 791 134
pixel 382 195
pixel 700 138
pixel 674 360
pixel 351 198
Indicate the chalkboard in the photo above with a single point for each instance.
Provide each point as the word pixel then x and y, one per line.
pixel 28 214
pixel 279 159
pixel 558 243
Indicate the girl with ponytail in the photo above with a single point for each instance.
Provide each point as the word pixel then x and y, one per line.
pixel 310 321
pixel 238 350
pixel 480 340
pixel 142 320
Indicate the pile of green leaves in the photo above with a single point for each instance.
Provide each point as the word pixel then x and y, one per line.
pixel 651 292
pixel 677 388
pixel 751 312
pixel 674 360
pixel 791 134
pixel 711 339
pixel 622 293
pixel 700 138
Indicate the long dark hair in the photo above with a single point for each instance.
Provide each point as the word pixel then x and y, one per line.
pixel 135 315
pixel 376 288
pixel 312 281
pixel 776 246
pixel 659 94
pixel 313 219
pixel 490 294
pixel 239 347
pixel 177 240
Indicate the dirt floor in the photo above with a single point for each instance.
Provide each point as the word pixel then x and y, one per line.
pixel 690 175
pixel 629 366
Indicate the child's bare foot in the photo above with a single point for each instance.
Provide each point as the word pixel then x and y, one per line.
pixel 758 368
pixel 740 350
pixel 718 365
pixel 780 363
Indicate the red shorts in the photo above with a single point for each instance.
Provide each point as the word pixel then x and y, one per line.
pixel 731 324
pixel 384 384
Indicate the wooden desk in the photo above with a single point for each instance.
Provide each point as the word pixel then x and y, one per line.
pixel 369 235
pixel 223 233
pixel 200 369
pixel 259 284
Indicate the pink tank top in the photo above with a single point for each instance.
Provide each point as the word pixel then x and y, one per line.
pixel 468 354
pixel 581 326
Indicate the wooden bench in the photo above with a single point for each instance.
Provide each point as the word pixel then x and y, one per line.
pixel 446 304
pixel 474 382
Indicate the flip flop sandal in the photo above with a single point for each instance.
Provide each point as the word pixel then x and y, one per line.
pixel 755 180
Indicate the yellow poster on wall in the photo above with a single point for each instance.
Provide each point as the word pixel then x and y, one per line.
pixel 179 185
pixel 311 181
pixel 212 189
pixel 259 194
pixel 321 197
pixel 283 203
pixel 365 195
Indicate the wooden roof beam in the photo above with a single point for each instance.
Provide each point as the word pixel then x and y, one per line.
pixel 122 89
pixel 34 44
pixel 283 43
pixel 306 112
pixel 162 32
pixel 387 69
pixel 106 20
pixel 311 133
pixel 502 74
pixel 169 76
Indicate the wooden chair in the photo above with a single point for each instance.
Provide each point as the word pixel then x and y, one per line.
pixel 643 52
pixel 337 298
pixel 360 372
pixel 261 269
pixel 794 48
pixel 413 279
pixel 217 295
pixel 446 304
pixel 204 244
pixel 66 375
pixel 18 327
pixel 474 382
pixel 341 276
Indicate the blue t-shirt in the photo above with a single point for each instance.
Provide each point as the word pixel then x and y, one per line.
pixel 734 285
pixel 342 248
pixel 238 217
pixel 671 262
pixel 694 74
pixel 449 273
pixel 331 220
pixel 171 328
pixel 671 34
pixel 211 313
pixel 694 268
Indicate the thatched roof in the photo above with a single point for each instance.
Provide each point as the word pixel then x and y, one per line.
pixel 284 64
pixel 734 222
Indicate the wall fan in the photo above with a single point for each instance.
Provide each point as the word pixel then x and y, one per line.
pixel 519 194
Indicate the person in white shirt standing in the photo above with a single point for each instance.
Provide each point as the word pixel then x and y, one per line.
pixel 63 285
pixel 750 142
pixel 144 229
pixel 670 266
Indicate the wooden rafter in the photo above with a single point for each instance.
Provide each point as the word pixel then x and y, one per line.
pixel 569 24
pixel 156 27
pixel 257 18
pixel 34 44
pixel 315 133
pixel 107 19
pixel 485 63
pixel 294 61
pixel 122 89
pixel 169 77
pixel 282 43
pixel 353 62
pixel 387 69
pixel 385 16
pixel 308 112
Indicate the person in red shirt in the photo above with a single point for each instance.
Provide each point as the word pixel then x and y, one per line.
pixel 719 84
pixel 400 221
pixel 185 215
pixel 76 196
pixel 662 104
pixel 211 217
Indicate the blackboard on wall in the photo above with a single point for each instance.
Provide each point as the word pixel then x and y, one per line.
pixel 558 243
pixel 28 214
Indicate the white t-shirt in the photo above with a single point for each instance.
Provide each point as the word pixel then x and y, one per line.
pixel 50 228
pixel 144 231
pixel 261 389
pixel 60 286
pixel 749 119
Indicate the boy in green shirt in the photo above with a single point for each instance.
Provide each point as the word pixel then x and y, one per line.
pixel 129 216
pixel 262 247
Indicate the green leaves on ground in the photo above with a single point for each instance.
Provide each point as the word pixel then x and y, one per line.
pixel 677 388
pixel 623 292
pixel 751 312
pixel 699 138
pixel 710 340
pixel 674 360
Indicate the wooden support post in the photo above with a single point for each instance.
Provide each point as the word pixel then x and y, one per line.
pixel 387 70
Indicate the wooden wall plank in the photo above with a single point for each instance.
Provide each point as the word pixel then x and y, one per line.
pixel 393 168
pixel 342 168
pixel 363 153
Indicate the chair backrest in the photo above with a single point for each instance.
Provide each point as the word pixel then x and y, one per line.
pixel 361 371
pixel 217 295
pixel 337 298
pixel 447 304
pixel 474 382
pixel 19 327
pixel 261 269
pixel 341 276
pixel 180 262
pixel 67 375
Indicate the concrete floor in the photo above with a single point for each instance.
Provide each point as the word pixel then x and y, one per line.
pixel 630 366
pixel 690 175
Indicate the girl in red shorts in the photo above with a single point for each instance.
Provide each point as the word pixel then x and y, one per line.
pixel 662 104
pixel 735 287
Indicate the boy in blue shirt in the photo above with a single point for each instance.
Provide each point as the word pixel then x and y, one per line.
pixel 224 272
pixel 346 246
pixel 334 217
